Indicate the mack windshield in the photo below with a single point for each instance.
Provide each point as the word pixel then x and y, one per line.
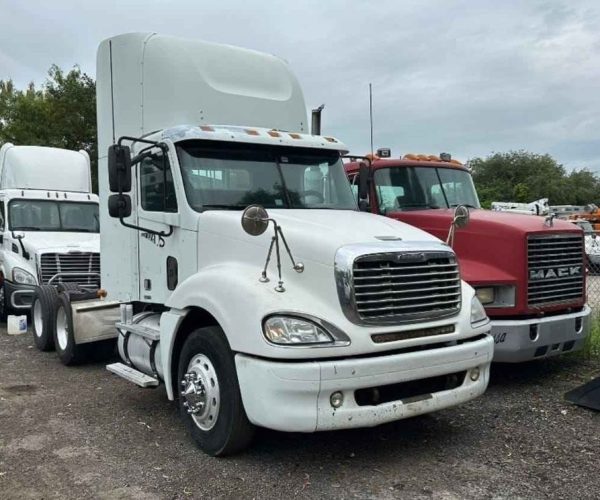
pixel 238 175
pixel 417 188
pixel 48 215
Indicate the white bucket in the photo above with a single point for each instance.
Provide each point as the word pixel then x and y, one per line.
pixel 16 325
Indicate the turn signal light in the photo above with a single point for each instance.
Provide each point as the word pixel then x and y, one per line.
pixel 101 293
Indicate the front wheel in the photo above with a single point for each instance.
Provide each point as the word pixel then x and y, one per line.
pixel 210 402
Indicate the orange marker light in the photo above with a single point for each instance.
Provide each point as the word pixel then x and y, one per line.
pixel 101 293
pixel 206 128
pixel 250 131
pixel 295 136
pixel 272 133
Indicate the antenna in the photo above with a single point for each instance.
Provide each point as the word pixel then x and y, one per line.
pixel 371 113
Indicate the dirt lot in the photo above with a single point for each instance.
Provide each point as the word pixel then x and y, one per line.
pixel 84 433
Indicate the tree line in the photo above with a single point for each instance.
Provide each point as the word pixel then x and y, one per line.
pixel 62 113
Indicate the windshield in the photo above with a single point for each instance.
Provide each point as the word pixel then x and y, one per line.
pixel 238 175
pixel 414 188
pixel 49 215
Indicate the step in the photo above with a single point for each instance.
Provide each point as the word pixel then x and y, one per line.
pixel 133 375
pixel 142 331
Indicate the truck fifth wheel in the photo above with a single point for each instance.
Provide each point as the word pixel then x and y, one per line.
pixel 250 285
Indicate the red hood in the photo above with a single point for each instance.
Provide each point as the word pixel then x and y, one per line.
pixel 492 248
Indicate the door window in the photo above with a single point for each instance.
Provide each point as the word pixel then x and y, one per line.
pixel 157 189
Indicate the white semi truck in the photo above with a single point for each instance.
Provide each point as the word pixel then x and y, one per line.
pixel 49 230
pixel 313 316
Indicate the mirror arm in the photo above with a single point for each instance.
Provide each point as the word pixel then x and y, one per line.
pixel 149 231
pixel 23 251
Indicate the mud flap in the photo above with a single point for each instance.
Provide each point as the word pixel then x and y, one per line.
pixel 586 395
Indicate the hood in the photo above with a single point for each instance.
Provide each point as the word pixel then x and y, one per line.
pixel 483 222
pixel 56 241
pixel 316 235
pixel 492 248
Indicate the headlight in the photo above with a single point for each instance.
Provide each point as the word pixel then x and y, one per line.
pixel 496 295
pixel 21 276
pixel 288 330
pixel 485 294
pixel 478 314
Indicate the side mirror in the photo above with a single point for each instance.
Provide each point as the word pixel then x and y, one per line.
pixel 119 205
pixel 460 220
pixel 363 186
pixel 119 168
pixel 255 220
pixel 461 216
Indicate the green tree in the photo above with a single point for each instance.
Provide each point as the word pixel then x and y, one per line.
pixel 61 113
pixel 523 176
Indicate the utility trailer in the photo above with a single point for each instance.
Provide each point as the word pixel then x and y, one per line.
pixel 249 284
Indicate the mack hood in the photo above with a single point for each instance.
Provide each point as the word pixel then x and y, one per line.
pixel 493 246
pixel 39 242
pixel 316 235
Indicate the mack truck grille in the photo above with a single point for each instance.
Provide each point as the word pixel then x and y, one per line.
pixel 555 269
pixel 77 267
pixel 406 286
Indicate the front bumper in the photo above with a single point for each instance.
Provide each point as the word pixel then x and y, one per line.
pixel 20 297
pixel 295 396
pixel 523 340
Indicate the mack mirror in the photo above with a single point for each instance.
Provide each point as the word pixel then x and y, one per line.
pixel 461 216
pixel 119 168
pixel 255 220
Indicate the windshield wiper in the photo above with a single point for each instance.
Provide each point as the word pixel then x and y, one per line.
pixel 27 228
pixel 224 207
pixel 468 205
pixel 417 205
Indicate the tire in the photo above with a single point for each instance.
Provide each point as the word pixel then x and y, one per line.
pixel 43 316
pixel 68 351
pixel 4 304
pixel 222 427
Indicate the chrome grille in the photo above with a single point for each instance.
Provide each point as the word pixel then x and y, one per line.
pixel 406 286
pixel 555 269
pixel 81 264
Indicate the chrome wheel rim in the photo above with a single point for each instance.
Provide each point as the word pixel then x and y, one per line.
pixel 200 392
pixel 62 331
pixel 38 323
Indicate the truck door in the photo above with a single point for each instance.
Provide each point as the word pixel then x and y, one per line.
pixel 162 259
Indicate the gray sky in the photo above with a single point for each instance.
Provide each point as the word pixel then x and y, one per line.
pixel 467 77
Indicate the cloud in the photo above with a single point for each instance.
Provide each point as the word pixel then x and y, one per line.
pixel 459 76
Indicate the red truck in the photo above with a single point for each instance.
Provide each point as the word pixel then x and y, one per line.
pixel 528 271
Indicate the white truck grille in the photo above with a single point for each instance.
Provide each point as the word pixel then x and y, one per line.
pixel 406 286
pixel 555 269
pixel 77 267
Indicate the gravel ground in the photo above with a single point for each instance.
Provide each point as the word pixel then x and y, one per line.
pixel 84 433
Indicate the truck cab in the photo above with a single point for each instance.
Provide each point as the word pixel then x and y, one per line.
pixel 49 223
pixel 247 282
pixel 528 271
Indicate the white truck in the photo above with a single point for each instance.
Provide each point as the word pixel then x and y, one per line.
pixel 49 230
pixel 312 317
